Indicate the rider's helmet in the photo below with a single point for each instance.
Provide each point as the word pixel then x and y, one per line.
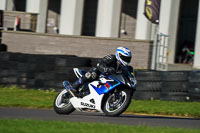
pixel 123 55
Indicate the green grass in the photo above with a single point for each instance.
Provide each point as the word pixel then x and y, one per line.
pixel 30 98
pixel 191 109
pixel 39 126
pixel 17 97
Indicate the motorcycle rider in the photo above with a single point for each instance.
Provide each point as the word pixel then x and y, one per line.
pixel 109 64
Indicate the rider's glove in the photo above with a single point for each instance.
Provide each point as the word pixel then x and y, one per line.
pixel 110 70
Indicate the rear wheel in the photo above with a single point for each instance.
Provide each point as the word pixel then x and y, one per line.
pixel 117 102
pixel 62 105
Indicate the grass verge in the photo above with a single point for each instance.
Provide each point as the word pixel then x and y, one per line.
pixel 39 126
pixel 17 97
pixel 30 98
pixel 187 109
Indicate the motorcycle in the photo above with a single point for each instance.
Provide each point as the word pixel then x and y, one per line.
pixel 110 94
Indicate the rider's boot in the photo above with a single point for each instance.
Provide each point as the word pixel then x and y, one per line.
pixel 76 85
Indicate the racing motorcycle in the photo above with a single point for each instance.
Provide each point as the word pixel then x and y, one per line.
pixel 110 94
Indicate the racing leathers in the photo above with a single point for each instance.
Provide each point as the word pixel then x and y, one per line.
pixel 108 65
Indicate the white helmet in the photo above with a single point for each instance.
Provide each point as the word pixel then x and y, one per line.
pixel 123 55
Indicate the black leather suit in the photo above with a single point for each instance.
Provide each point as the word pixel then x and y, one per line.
pixel 108 64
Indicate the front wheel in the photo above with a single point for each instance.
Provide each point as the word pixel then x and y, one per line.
pixel 117 102
pixel 62 105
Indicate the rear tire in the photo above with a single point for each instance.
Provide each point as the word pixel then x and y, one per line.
pixel 123 101
pixel 62 105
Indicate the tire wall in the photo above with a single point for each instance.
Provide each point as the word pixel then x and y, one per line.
pixel 40 71
pixel 49 71
pixel 168 85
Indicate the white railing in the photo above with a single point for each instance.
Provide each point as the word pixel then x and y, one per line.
pixel 160 52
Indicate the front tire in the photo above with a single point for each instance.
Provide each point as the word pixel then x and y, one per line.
pixel 62 105
pixel 115 105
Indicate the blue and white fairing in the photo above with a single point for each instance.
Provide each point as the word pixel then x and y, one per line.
pixel 106 84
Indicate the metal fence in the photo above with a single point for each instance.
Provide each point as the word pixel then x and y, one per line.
pixel 160 52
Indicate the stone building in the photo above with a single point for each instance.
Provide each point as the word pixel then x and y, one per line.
pixel 179 20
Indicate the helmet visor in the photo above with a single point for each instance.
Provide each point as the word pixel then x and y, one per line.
pixel 125 58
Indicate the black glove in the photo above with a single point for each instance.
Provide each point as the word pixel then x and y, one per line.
pixel 110 70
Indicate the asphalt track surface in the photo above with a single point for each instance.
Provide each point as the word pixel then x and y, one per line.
pixel 125 119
